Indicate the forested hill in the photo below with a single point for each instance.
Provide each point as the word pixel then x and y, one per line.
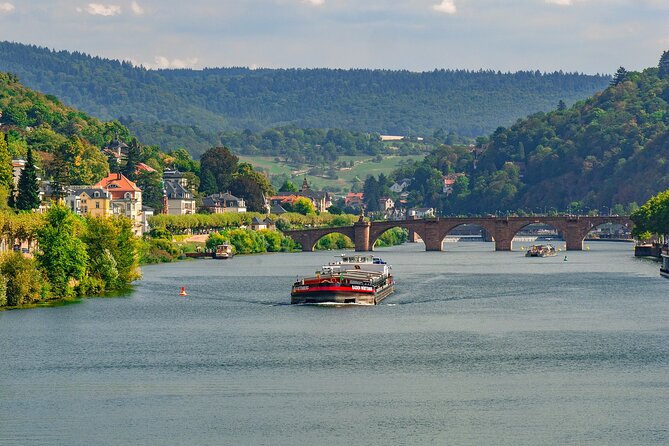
pixel 470 103
pixel 610 149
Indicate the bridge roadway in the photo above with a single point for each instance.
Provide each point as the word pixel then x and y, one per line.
pixel 364 234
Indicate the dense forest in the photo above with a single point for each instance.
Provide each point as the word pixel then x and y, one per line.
pixel 605 152
pixel 469 103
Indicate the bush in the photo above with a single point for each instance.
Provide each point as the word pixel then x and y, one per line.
pixel 25 284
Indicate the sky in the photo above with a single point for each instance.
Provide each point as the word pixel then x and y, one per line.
pixel 588 36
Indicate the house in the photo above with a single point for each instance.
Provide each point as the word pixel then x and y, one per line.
pixel 126 198
pixel 277 209
pixel 222 203
pixel 141 167
pixel 385 138
pixel 354 200
pixel 258 224
pixel 86 200
pixel 321 200
pixel 421 213
pixel 449 180
pixel 386 203
pixel 401 185
pixel 180 200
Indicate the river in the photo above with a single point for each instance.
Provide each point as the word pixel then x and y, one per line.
pixel 475 347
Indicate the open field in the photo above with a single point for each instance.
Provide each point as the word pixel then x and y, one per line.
pixel 363 166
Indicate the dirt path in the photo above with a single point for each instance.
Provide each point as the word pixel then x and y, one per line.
pixel 202 238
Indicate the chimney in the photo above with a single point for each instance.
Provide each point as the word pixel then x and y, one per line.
pixel 118 176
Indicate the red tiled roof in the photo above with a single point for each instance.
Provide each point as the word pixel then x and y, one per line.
pixel 117 184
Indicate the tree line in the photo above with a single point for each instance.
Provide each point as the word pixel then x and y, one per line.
pixel 470 103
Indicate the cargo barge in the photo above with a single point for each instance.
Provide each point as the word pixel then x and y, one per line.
pixel 353 279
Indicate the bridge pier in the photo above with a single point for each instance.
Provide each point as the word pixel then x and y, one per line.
pixel 361 235
pixel 432 236
pixel 503 235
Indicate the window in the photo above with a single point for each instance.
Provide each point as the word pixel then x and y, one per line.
pixel 97 205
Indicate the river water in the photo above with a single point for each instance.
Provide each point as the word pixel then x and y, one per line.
pixel 475 347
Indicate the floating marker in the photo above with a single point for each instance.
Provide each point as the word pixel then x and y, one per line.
pixel 183 291
pixel 565 258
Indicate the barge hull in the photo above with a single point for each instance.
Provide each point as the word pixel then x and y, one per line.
pixel 341 297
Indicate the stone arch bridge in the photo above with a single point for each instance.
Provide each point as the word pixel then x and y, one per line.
pixel 433 231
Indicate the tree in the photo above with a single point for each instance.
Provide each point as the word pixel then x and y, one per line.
pixel 288 186
pixel 248 189
pixel 134 154
pixel 304 206
pixel 151 184
pixel 114 235
pixel 28 185
pixel 79 162
pixel 62 253
pixel 561 105
pixel 653 216
pixel 620 76
pixel 372 193
pixel 221 164
pixel 664 66
pixel 208 184
pixel 6 172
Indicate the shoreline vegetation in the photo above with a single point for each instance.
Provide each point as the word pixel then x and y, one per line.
pixel 172 236
pixel 60 258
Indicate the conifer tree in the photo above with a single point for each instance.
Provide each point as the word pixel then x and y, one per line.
pixel 664 66
pixel 134 154
pixel 619 76
pixel 28 186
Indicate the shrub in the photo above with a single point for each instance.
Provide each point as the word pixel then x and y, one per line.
pixel 25 284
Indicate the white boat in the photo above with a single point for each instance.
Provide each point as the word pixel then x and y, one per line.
pixel 540 251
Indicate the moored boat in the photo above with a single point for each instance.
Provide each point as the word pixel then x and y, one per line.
pixel 664 269
pixel 540 251
pixel 223 251
pixel 353 279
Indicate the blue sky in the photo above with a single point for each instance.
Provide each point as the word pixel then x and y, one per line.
pixel 591 36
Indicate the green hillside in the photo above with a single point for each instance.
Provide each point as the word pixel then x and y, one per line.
pixel 469 103
pixel 612 148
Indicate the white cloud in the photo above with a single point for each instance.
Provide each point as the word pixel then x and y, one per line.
pixel 6 7
pixel 136 8
pixel 103 10
pixel 315 2
pixel 561 2
pixel 163 62
pixel 446 7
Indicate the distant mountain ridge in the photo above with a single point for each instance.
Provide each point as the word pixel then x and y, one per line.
pixel 470 103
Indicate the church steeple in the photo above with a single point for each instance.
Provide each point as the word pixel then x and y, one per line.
pixel 305 185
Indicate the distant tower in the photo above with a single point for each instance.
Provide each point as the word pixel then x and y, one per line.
pixel 165 202
pixel 305 185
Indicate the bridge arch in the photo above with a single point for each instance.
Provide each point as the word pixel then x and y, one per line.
pixel 308 238
pixel 378 228
pixel 375 240
pixel 473 228
pixel 540 229
pixel 618 227
pixel 325 233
